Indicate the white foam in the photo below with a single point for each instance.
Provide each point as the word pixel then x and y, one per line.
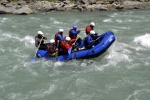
pixel 118 53
pixel 51 89
pixel 32 71
pixel 55 21
pixel 3 20
pixel 107 20
pixel 29 39
pixel 6 35
pixel 44 26
pixel 2 49
pixel 116 57
pixel 34 18
pixel 137 93
pixel 58 63
pixel 114 15
pixel 10 36
pixel 125 28
pixel 81 82
pixel 144 40
pixel 119 20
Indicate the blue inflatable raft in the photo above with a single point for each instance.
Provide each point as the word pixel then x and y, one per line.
pixel 105 41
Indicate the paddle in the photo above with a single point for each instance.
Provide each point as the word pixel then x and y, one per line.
pixel 57 50
pixel 75 42
pixel 33 59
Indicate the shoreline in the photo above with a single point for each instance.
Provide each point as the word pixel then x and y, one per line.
pixel 23 8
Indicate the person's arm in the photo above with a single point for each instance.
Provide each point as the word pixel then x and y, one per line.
pixel 63 38
pixel 73 32
pixel 59 37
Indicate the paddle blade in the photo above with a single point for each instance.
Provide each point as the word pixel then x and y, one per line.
pixel 69 51
pixel 33 60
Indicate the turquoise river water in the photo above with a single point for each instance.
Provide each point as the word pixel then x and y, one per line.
pixel 121 73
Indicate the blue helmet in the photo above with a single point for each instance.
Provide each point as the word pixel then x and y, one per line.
pixel 75 27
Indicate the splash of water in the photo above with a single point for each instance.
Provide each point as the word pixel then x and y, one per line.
pixel 143 40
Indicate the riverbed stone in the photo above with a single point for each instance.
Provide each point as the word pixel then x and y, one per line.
pixel 92 1
pixel 25 10
pixel 5 10
pixel 21 7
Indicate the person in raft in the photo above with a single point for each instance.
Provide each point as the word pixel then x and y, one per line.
pixel 66 44
pixel 74 32
pixel 59 35
pixel 51 48
pixel 89 42
pixel 58 38
pixel 39 41
pixel 89 28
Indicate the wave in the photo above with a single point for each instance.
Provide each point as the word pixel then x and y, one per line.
pixel 119 53
pixel 143 40
pixel 107 20
pixel 55 21
pixel 27 38
pixel 139 94
pixel 2 20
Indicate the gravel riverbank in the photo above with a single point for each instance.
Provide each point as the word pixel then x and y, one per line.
pixel 22 7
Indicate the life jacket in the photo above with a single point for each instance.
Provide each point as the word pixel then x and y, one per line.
pixel 71 35
pixel 88 29
pixel 65 46
pixel 72 41
pixel 51 50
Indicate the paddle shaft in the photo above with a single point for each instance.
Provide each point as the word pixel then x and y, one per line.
pixel 74 41
pixel 57 50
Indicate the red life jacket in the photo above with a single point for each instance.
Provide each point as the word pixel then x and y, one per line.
pixel 88 29
pixel 72 41
pixel 65 46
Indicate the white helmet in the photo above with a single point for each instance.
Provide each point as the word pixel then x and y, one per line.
pixel 92 24
pixel 92 32
pixel 40 32
pixel 52 41
pixel 68 38
pixel 61 30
